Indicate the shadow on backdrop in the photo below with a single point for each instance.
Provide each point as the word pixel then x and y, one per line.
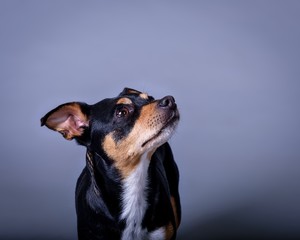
pixel 235 225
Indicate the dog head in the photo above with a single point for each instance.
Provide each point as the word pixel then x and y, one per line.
pixel 122 128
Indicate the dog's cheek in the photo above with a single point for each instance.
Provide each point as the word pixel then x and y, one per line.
pixel 123 154
pixel 117 150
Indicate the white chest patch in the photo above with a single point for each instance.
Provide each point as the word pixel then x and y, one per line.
pixel 135 202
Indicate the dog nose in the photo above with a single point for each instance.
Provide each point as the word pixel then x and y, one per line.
pixel 167 102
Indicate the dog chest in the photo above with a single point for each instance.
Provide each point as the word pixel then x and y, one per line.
pixel 134 203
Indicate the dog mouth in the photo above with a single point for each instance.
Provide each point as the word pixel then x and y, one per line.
pixel 166 129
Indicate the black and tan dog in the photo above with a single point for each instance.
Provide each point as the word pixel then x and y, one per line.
pixel 129 187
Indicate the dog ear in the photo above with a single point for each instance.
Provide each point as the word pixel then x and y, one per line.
pixel 69 119
pixel 127 91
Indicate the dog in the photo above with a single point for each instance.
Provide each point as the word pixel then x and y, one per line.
pixel 129 186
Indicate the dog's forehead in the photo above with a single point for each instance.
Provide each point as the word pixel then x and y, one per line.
pixel 106 107
pixel 134 97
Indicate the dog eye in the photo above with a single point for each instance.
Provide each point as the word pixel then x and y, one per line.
pixel 122 112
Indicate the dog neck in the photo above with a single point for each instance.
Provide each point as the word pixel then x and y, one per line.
pixel 132 191
pixel 105 183
pixel 134 199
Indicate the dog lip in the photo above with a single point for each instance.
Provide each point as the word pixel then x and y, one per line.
pixel 174 117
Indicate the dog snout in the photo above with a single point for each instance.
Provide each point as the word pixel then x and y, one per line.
pixel 167 102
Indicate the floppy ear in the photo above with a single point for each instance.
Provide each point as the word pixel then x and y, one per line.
pixel 69 119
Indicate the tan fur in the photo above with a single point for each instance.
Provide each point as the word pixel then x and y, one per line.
pixel 124 101
pixel 122 154
pixel 173 203
pixel 169 228
pixel 144 95
pixel 127 152
pixel 169 231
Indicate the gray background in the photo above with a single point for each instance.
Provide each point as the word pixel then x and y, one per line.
pixel 233 67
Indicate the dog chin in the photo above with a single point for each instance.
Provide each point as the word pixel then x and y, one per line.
pixel 162 136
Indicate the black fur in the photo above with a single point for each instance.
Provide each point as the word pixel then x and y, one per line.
pixel 99 187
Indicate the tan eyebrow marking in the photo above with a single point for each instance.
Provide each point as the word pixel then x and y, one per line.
pixel 124 101
pixel 144 95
